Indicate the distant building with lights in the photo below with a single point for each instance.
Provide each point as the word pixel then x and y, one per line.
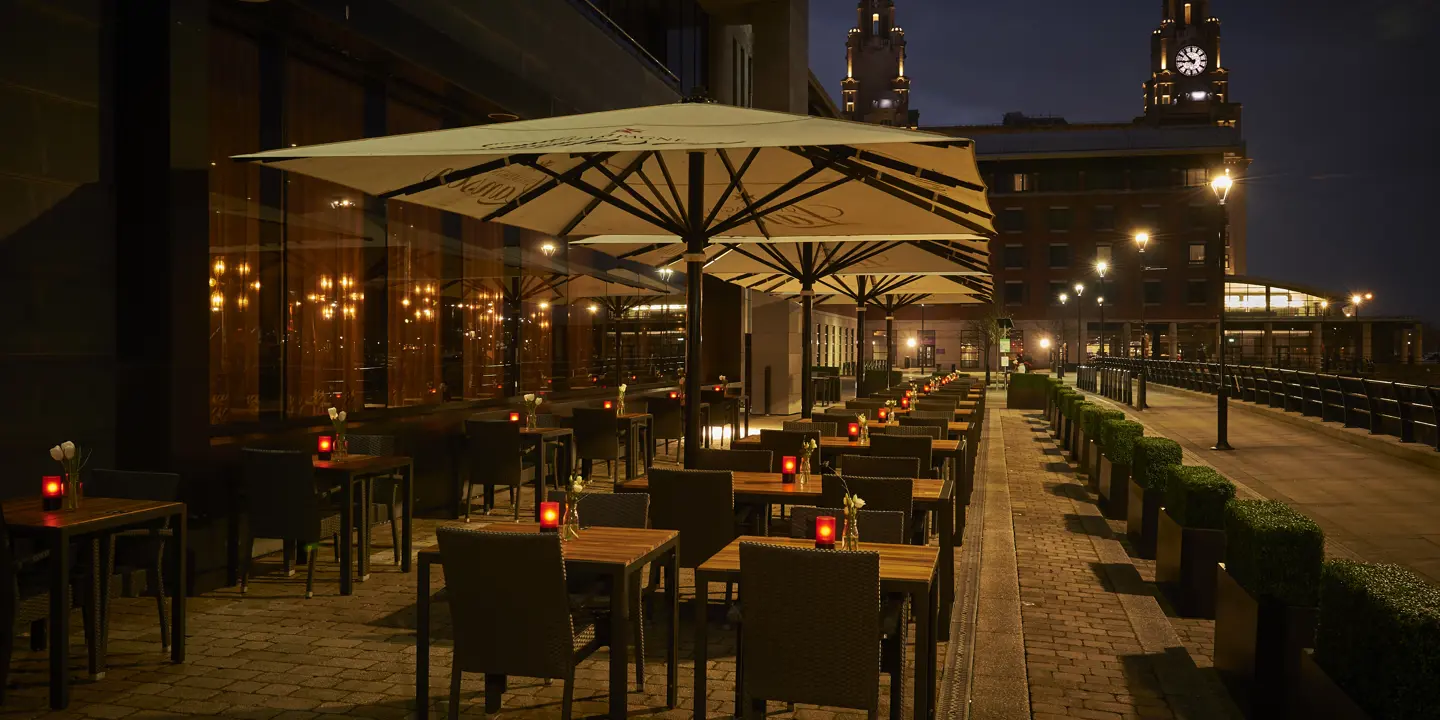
pixel 875 89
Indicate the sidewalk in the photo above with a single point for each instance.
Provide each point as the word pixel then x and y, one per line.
pixel 1372 506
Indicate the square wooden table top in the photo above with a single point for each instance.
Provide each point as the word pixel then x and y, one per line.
pixel 598 546
pixel 360 463
pixel 94 513
pixel 770 484
pixel 840 443
pixel 547 431
pixel 899 564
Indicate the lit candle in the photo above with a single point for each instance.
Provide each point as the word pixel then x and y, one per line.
pixel 550 516
pixel 514 416
pixel 883 414
pixel 905 403
pixel 609 404
pixel 854 431
pixel 825 532
pixel 324 446
pixel 718 388
pixel 52 490
pixel 787 468
pixel 674 395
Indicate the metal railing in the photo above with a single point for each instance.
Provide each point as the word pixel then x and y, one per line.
pixel 1111 382
pixel 1408 412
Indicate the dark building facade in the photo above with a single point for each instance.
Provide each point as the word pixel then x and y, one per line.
pixel 875 88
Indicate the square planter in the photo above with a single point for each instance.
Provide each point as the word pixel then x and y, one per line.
pixel 1072 439
pixel 1064 437
pixel 1082 447
pixel 1315 695
pixel 1055 421
pixel 1092 463
pixel 1141 518
pixel 1257 646
pixel 1114 489
pixel 1185 560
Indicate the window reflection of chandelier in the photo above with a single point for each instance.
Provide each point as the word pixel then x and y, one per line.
pixel 336 296
pixel 237 285
pixel 424 302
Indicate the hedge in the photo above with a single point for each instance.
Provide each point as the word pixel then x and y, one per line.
pixel 1153 458
pixel 1118 438
pixel 1273 551
pixel 1097 417
pixel 1195 497
pixel 1378 638
pixel 1029 381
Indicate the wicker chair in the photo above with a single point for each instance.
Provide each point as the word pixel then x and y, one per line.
pixel 281 501
pixel 667 422
pixel 734 460
pixel 826 429
pixel 941 403
pixel 946 415
pixel 385 488
pixel 597 437
pixel 929 431
pixel 841 418
pixel 140 549
pixel 942 423
pixel 891 445
pixel 895 494
pixel 497 457
pixel 25 601
pixel 700 505
pixel 811 630
pixel 785 442
pixel 519 578
pixel 877 526
pixel 867 405
pixel 722 409
pixel 880 466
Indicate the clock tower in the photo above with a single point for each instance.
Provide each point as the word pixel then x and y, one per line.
pixel 875 89
pixel 1188 85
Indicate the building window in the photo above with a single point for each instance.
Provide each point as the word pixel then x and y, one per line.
pixel 1056 290
pixel 1103 254
pixel 849 106
pixel 1014 257
pixel 1060 181
pixel 1197 253
pixel 1148 218
pixel 1104 180
pixel 1012 220
pixel 1059 256
pixel 1154 292
pixel 1059 219
pixel 1102 218
pixel 1021 182
pixel 1197 177
pixel 1014 292
pixel 1151 179
pixel 1196 292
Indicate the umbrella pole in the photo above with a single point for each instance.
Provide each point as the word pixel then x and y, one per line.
pixel 860 345
pixel 889 347
pixel 694 269
pixel 807 358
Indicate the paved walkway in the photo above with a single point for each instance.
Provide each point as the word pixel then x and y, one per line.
pixel 1372 505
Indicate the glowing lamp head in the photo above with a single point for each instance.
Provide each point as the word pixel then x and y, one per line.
pixel 1102 267
pixel 1357 299
pixel 1044 343
pixel 1064 298
pixel 1142 239
pixel 911 343
pixel 1221 185
pixel 549 515
pixel 1079 289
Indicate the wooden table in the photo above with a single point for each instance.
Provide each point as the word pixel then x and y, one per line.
pixel 98 517
pixel 953 430
pixel 619 553
pixel 909 569
pixel 531 438
pixel 352 471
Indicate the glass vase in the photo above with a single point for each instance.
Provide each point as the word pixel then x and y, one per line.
pixel 570 527
pixel 620 406
pixel 530 422
pixel 74 491
pixel 341 449
pixel 851 539
pixel 803 476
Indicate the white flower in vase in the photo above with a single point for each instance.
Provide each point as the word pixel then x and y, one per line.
pixel 57 454
pixel 68 448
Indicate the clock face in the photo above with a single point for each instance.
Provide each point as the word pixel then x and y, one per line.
pixel 1191 61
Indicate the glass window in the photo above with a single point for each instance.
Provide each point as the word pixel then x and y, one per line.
pixel 1059 219
pixel 1021 182
pixel 1102 217
pixel 1060 181
pixel 1059 256
pixel 1197 177
pixel 1196 292
pixel 1014 257
pixel 1154 292
pixel 1103 254
pixel 1147 218
pixel 1014 292
pixel 1197 253
pixel 1012 220
pixel 1104 180
pixel 413 287
pixel 1197 216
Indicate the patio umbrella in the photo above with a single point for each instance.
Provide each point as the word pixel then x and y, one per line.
pixel 696 170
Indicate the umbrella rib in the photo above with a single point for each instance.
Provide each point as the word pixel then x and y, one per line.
pixel 669 180
pixel 547 186
pixel 590 190
pixel 674 214
pixel 908 169
pixel 781 264
pixel 816 167
pixel 633 193
pixel 950 253
pixel 736 184
pixel 860 254
pixel 897 189
pixel 595 202
pixel 446 178
pixel 906 185
pixel 756 213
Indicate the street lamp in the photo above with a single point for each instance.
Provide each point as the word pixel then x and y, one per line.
pixel 1100 268
pixel 1357 300
pixel 1064 351
pixel 1142 241
pixel 1221 186
pixel 1079 324
pixel 1045 345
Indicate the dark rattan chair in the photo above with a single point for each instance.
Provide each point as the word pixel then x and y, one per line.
pixel 512 612
pixel 139 549
pixel 920 448
pixel 734 460
pixel 895 494
pixel 929 431
pixel 597 437
pixel 722 409
pixel 825 429
pixel 938 403
pixel 785 442
pixel 865 405
pixel 282 501
pixel 496 457
pixel 700 505
pixel 942 423
pixel 812 627
pixel 877 526
pixel 880 466
pixel 667 422
pixel 946 415
pixel 384 491
pixel 841 418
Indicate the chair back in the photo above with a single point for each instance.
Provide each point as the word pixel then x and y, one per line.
pixel 382 445
pixel 495 451
pixel 597 434
pixel 864 405
pixel 518 578
pixel 946 415
pixel 699 504
pixel 811 627
pixel 876 526
pixel 902 446
pixel 667 421
pixel 841 418
pixel 930 431
pixel 734 460
pixel 163 487
pixel 279 494
pixel 879 466
pixel 938 403
pixel 788 442
pixel 826 429
pixel 896 494
pixel 942 423
pixel 618 510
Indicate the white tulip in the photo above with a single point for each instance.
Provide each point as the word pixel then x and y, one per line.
pixel 341 416
pixel 859 502
pixel 539 400
pixel 334 413
pixel 69 449
pixel 57 454
pixel 529 397
pixel 577 487
pixel 622 387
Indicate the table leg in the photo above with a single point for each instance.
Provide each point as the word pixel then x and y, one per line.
pixel 94 624
pixel 932 655
pixel 619 645
pixel 630 451
pixel 179 546
pixel 946 517
pixel 59 622
pixel 702 599
pixel 920 601
pixel 407 486
pixel 103 563
pixel 347 532
pixel 649 445
pixel 422 642
pixel 672 647
pixel 362 562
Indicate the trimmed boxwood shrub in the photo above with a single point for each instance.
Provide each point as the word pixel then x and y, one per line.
pixel 1073 405
pixel 1153 456
pixel 1195 497
pixel 1273 551
pixel 1378 638
pixel 1118 438
pixel 1095 418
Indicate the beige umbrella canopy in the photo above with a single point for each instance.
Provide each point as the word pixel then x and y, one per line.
pixel 693 170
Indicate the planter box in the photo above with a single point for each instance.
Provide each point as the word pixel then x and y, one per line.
pixel 1141 518
pixel 1055 421
pixel 1092 464
pixel 1185 560
pixel 1114 489
pixel 1031 398
pixel 1257 646
pixel 1315 695
pixel 1072 439
pixel 1082 451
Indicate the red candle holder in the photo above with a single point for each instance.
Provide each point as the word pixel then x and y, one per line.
pixel 883 414
pixel 854 431
pixel 514 416
pixel 674 395
pixel 52 492
pixel 825 532
pixel 788 465
pixel 609 404
pixel 325 446
pixel 905 403
pixel 719 388
pixel 549 516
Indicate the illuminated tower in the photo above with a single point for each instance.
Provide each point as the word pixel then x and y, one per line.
pixel 875 88
pixel 1187 82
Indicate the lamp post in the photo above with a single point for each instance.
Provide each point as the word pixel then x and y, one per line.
pixel 1079 325
pixel 1045 345
pixel 1324 348
pixel 1100 269
pixel 1064 350
pixel 1142 240
pixel 913 345
pixel 1357 300
pixel 1221 185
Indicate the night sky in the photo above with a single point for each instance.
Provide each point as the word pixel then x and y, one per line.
pixel 1342 109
